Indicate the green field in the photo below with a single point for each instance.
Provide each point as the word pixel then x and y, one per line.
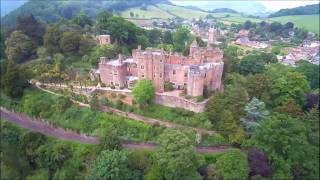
pixel 308 22
pixel 182 12
pixel 151 12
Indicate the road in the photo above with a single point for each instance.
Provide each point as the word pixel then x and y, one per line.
pixel 43 127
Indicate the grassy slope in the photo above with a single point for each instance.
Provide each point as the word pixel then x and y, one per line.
pixel 164 11
pixel 151 12
pixel 182 11
pixel 309 22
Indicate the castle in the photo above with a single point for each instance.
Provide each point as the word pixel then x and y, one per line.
pixel 201 70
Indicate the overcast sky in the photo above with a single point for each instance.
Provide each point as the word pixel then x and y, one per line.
pixel 276 5
pixel 271 5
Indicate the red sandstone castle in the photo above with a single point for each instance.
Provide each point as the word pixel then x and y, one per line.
pixel 202 68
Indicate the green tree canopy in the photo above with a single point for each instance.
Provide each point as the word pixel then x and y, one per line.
pixel 292 85
pixel 233 164
pixel 176 157
pixel 143 92
pixel 82 19
pixel 14 80
pixel 31 27
pixel 19 47
pixel 284 139
pixel 111 165
pixel 181 39
pixel 51 39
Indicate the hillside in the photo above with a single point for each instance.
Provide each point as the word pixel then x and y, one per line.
pixel 302 10
pixel 163 11
pixel 223 10
pixel 308 22
pixel 56 10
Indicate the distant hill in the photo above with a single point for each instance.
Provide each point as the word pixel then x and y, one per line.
pixel 49 11
pixel 223 10
pixel 302 10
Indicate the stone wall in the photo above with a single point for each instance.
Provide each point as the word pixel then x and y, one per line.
pixel 174 101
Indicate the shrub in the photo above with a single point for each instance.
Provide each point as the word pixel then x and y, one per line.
pixel 233 164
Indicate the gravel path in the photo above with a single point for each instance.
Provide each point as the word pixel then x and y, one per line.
pixel 43 127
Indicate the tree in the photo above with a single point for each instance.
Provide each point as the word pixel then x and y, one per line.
pixel 181 38
pixel 2 43
pixel 200 42
pixel 82 19
pixel 176 157
pixel 14 80
pixel 233 164
pixel 107 51
pixel 69 42
pixel 111 165
pixel 247 25
pixel 289 107
pixel 292 85
pixel 52 39
pixel 284 140
pixel 254 63
pixel 259 163
pixel 102 20
pixel 256 112
pixel 109 140
pixel 154 36
pixel 311 120
pixel 29 26
pixel 259 86
pixel 19 47
pixel 312 101
pixel 143 92
pixel 167 37
pixel 275 27
pixel 230 57
pixel 311 71
pixel 86 43
pixel 53 156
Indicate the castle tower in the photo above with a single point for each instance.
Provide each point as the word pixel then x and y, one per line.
pixel 211 36
pixel 195 82
pixel 150 64
pixel 193 47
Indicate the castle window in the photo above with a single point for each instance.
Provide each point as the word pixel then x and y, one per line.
pixel 205 74
pixel 142 67
pixel 185 74
pixel 142 75
pixel 160 60
pixel 174 72
pixel 160 75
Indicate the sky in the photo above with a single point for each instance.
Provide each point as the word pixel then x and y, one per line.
pixel 271 5
pixel 277 5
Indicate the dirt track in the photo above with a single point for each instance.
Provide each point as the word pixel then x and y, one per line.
pixel 45 128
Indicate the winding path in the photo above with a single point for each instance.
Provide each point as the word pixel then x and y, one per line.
pixel 134 116
pixel 43 127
